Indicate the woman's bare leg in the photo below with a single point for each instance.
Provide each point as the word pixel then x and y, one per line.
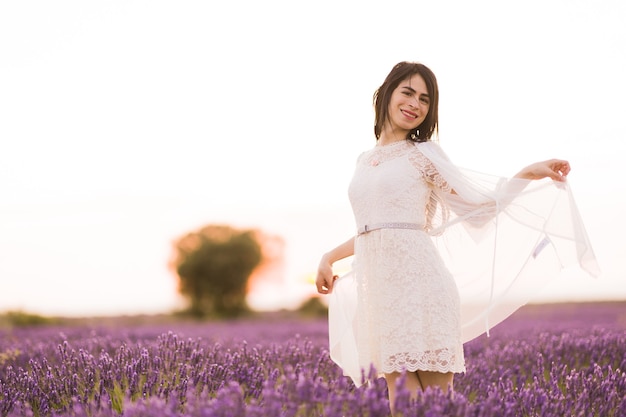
pixel 436 379
pixel 418 381
pixel 411 382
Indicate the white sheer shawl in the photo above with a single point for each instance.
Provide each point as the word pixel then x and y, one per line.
pixel 502 239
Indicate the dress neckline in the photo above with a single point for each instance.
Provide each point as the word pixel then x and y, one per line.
pixel 392 144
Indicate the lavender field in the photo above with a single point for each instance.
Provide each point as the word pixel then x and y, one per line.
pixel 556 360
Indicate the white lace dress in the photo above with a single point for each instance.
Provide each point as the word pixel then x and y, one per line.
pixel 408 303
pixel 467 259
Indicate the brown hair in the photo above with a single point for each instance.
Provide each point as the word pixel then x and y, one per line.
pixel 382 96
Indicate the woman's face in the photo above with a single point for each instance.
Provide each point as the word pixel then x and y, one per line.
pixel 408 105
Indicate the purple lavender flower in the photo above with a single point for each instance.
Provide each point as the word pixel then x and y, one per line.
pixel 544 361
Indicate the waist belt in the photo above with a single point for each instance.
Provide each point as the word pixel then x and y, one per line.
pixel 369 227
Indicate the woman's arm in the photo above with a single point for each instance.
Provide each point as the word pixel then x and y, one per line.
pixel 557 169
pixel 325 277
pixel 478 213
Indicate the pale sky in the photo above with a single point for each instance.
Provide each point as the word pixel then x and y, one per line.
pixel 125 124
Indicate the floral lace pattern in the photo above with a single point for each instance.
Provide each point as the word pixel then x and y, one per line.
pixel 440 360
pixel 408 304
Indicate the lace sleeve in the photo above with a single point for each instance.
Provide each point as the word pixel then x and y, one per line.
pixel 436 210
pixel 474 206
pixel 429 172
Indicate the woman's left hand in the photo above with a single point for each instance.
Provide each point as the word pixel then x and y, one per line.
pixel 557 169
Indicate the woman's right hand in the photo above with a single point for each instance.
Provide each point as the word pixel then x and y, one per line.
pixel 325 278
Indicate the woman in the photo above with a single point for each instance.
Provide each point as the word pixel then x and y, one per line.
pixel 400 309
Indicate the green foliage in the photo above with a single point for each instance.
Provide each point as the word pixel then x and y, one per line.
pixel 116 394
pixel 313 307
pixel 9 355
pixel 23 319
pixel 214 265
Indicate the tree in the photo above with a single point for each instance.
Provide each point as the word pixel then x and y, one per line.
pixel 213 265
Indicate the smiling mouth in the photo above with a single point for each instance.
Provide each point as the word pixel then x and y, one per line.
pixel 409 114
